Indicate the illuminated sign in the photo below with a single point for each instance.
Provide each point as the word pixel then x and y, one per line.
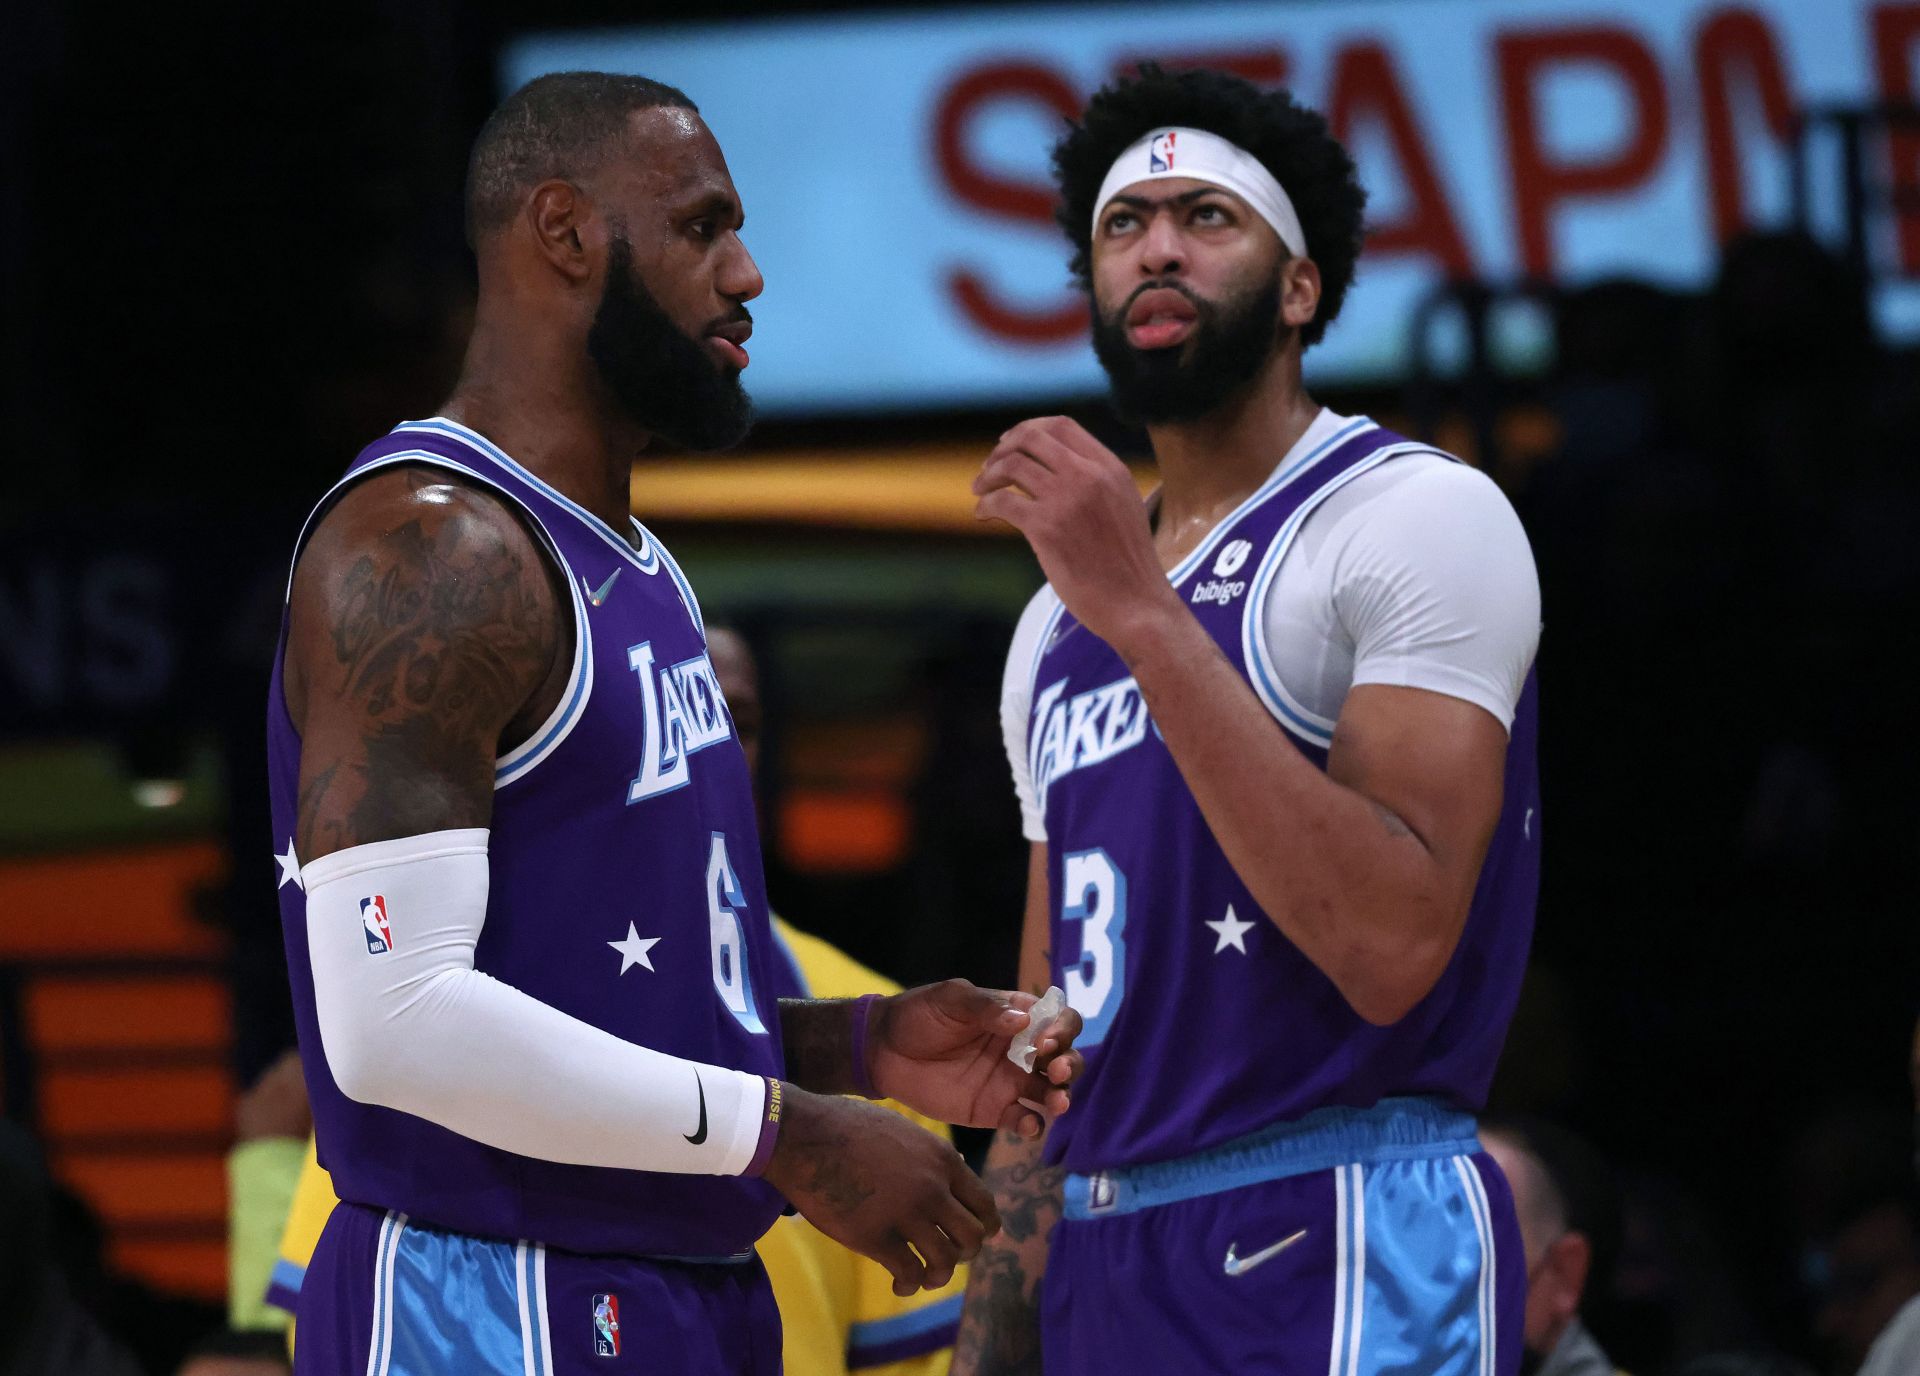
pixel 894 167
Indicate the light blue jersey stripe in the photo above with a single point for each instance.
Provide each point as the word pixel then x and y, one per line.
pixel 1254 649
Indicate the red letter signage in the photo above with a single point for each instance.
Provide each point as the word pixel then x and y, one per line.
pixel 1539 182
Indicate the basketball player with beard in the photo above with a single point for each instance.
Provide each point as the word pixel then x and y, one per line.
pixel 1273 739
pixel 519 870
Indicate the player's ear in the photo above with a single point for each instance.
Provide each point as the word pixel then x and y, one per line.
pixel 1568 1259
pixel 1299 291
pixel 560 216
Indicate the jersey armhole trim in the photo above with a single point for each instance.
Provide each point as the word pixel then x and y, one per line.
pixel 646 559
pixel 1281 477
pixel 560 722
pixel 1262 671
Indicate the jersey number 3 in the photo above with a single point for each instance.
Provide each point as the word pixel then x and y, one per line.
pixel 1093 894
pixel 725 903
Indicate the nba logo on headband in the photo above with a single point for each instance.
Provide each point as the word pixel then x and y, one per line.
pixel 1206 157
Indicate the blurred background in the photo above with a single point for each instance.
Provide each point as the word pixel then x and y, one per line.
pixel 1652 264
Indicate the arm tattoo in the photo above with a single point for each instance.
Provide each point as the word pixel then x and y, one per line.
pixel 823 1161
pixel 1000 1330
pixel 438 635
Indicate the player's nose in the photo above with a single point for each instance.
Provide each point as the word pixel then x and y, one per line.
pixel 740 278
pixel 1162 252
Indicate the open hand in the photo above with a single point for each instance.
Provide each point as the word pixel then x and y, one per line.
pixel 941 1049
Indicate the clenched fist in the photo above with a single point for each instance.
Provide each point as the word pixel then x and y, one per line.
pixel 1078 507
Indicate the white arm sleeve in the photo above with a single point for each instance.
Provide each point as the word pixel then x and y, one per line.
pixel 1016 702
pixel 415 1027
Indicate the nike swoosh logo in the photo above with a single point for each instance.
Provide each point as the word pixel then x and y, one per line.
pixel 1239 1266
pixel 699 1134
pixel 600 595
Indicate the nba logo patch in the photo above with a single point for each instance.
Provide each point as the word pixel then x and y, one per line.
pixel 1160 153
pixel 1102 1193
pixel 606 1325
pixel 373 918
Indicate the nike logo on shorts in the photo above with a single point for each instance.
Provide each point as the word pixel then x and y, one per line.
pixel 1239 1266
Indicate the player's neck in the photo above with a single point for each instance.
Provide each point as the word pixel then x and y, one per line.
pixel 1210 465
pixel 557 422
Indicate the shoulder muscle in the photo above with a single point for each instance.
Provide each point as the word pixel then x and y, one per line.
pixel 422 620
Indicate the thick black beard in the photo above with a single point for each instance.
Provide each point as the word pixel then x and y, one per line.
pixel 667 382
pixel 1231 342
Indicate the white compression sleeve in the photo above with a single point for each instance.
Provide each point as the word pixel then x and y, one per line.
pixel 408 1023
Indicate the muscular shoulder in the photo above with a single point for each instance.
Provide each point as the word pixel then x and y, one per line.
pixel 408 565
pixel 413 519
pixel 1415 503
pixel 423 624
pixel 1417 573
pixel 1435 533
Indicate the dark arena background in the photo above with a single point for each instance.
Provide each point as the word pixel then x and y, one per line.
pixel 1653 265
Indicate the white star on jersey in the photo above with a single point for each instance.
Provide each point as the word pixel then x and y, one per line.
pixel 1231 931
pixel 289 867
pixel 633 950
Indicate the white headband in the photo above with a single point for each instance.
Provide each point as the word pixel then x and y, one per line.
pixel 1206 158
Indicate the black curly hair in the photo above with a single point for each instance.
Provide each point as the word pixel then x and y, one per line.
pixel 1292 141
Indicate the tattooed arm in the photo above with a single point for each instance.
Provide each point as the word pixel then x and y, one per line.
pixel 426 632
pixel 1000 1327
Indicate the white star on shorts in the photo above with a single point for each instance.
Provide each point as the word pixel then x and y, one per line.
pixel 633 950
pixel 1231 931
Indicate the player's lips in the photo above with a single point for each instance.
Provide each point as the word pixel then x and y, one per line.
pixel 1160 319
pixel 727 340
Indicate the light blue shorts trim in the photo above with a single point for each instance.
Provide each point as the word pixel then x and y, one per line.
pixel 1391 1130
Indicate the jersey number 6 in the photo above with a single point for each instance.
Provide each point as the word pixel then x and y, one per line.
pixel 725 903
pixel 1093 893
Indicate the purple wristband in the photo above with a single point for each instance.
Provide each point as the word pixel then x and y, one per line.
pixel 862 1072
pixel 769 1131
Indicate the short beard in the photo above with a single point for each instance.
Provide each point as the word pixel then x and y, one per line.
pixel 1231 342
pixel 669 384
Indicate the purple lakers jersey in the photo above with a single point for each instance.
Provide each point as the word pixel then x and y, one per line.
pixel 1203 1021
pixel 628 812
